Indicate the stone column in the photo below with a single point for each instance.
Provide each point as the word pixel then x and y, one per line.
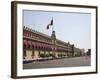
pixel 28 55
pixel 36 54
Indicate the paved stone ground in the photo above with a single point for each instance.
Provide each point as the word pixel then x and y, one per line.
pixel 66 62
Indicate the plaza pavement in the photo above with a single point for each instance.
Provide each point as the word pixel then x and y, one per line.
pixel 65 62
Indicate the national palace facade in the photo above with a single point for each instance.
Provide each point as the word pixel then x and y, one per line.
pixel 37 45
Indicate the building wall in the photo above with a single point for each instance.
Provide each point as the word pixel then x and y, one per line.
pixel 38 45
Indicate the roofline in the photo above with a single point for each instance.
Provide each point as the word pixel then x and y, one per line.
pixel 42 34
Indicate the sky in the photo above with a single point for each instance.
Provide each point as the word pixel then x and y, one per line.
pixel 69 26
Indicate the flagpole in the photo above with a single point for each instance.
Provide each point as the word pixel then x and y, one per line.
pixel 52 26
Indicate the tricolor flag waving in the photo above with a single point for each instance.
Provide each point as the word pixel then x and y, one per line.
pixel 50 24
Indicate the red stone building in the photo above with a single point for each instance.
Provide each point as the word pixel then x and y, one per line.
pixel 37 45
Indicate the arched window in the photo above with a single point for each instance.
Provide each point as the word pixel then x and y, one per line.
pixel 29 44
pixel 33 45
pixel 25 44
